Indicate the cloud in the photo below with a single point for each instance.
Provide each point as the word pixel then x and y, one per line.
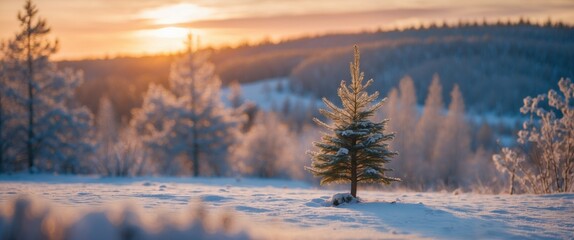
pixel 318 21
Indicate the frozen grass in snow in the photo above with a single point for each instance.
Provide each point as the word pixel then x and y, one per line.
pixel 293 210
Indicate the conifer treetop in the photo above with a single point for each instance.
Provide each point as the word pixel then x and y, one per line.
pixel 356 148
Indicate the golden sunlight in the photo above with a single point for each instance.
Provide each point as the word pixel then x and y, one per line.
pixel 162 40
pixel 178 13
pixel 166 32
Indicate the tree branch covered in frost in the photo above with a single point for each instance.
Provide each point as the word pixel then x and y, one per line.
pixel 547 138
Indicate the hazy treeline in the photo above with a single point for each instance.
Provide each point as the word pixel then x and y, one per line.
pixel 485 67
pixel 122 80
pixel 438 147
pixel 525 55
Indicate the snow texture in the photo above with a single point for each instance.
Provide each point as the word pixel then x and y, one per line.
pixel 342 151
pixel 277 209
pixel 343 198
pixel 264 93
pixel 371 171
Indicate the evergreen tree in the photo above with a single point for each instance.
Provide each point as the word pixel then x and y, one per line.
pixel 3 117
pixel 190 121
pixel 427 129
pixel 453 147
pixel 31 50
pixel 56 127
pixel 356 150
pixel 404 124
pixel 153 123
pixel 211 125
pixel 10 136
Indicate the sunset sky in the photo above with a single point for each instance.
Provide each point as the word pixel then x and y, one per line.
pixel 96 28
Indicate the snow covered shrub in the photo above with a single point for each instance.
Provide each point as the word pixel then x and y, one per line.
pixel 509 162
pixel 28 219
pixel 546 162
pixel 119 151
pixel 343 198
pixel 356 149
pixel 124 157
pixel 267 150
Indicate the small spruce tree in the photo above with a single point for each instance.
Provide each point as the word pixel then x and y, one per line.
pixel 356 149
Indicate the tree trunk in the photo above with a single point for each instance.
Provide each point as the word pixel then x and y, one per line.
pixel 512 183
pixel 29 143
pixel 195 156
pixel 354 174
pixel 195 147
pixel 2 143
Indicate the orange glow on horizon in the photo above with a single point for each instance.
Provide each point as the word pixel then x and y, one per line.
pixel 95 28
pixel 164 40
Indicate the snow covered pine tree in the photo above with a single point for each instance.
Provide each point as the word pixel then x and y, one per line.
pixel 356 151
pixel 56 126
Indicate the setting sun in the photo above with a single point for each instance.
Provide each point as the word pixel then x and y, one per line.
pixel 166 32
pixel 167 39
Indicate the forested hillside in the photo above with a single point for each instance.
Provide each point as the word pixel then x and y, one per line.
pixel 494 64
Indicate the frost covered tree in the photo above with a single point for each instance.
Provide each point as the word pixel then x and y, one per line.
pixel 429 123
pixel 391 108
pixel 10 136
pixel 267 149
pixel 453 145
pixel 114 150
pixel 33 49
pixel 427 129
pixel 509 162
pixel 153 123
pixel 404 124
pixel 401 109
pixel 212 126
pixel 56 127
pixel 190 121
pixel 546 164
pixel 357 149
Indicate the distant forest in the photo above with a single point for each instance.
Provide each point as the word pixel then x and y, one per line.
pixel 495 64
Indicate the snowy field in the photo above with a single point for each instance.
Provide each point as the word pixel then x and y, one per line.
pixel 266 94
pixel 277 209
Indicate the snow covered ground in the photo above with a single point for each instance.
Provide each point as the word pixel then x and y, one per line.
pixel 271 94
pixel 294 210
